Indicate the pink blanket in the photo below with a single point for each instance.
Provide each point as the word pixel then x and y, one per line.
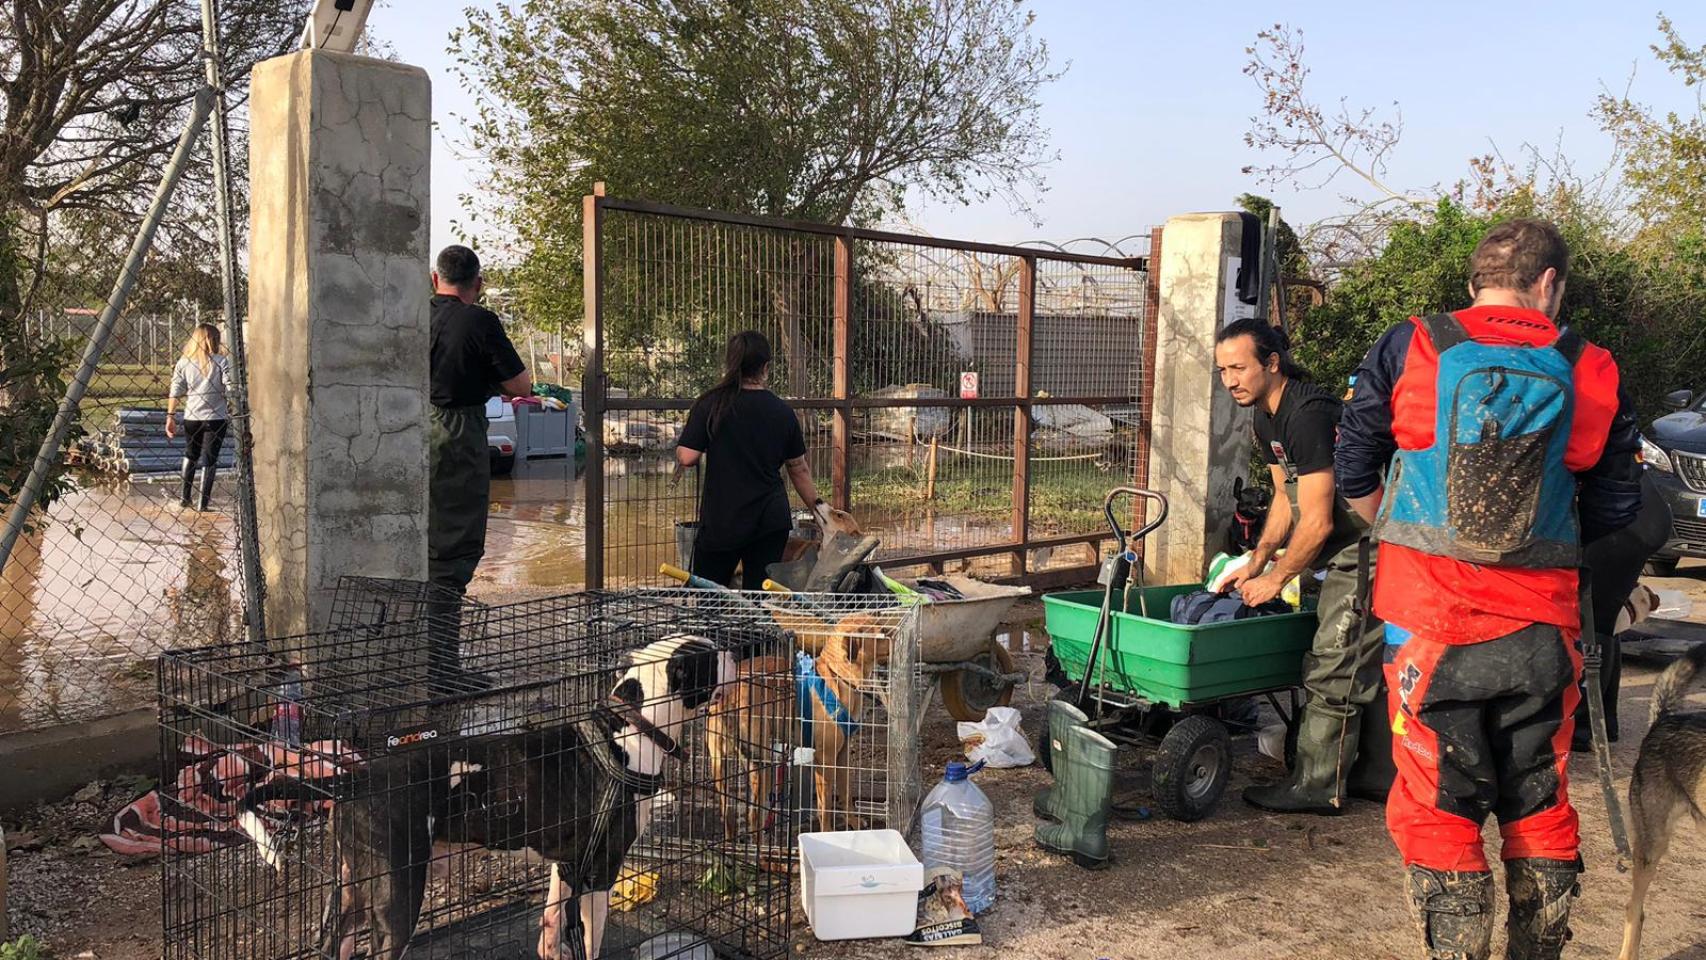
pixel 199 813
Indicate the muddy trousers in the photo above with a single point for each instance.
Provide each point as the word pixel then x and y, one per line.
pixel 458 501
pixel 1341 671
pixel 1478 729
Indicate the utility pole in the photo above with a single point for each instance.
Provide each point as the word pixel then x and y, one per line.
pixel 248 537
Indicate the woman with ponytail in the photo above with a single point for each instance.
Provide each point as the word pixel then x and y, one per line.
pixel 202 380
pixel 745 436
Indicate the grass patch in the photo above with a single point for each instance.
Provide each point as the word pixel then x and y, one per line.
pixel 1066 495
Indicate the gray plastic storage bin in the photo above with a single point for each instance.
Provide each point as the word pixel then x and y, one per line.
pixel 544 433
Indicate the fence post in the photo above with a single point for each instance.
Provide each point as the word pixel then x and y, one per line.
pixel 1145 386
pixel 1022 418
pixel 592 387
pixel 841 437
pixel 248 532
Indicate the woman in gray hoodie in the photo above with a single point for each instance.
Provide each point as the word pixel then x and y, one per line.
pixel 202 380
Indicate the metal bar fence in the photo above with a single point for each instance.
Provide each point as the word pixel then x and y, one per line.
pixel 969 401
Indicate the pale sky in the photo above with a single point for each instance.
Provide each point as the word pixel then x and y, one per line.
pixel 1150 117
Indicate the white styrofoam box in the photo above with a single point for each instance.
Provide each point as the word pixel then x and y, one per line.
pixel 858 884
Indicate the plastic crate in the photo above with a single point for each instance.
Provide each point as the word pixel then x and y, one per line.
pixel 1166 663
pixel 544 433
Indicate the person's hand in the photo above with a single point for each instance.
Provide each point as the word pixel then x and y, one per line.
pixel 171 426
pixel 1261 589
pixel 1237 578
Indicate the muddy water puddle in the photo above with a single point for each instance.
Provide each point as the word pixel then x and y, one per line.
pixel 120 572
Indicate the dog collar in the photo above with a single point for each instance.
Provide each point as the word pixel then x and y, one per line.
pixel 625 714
pixel 642 784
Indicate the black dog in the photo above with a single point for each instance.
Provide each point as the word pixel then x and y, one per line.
pixel 578 795
pixel 1249 513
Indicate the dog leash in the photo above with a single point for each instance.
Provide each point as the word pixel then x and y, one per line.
pixel 1592 653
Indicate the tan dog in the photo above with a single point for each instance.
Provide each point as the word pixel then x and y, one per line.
pixel 762 708
pixel 836 521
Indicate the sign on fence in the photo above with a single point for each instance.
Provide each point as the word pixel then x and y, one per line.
pixel 968 385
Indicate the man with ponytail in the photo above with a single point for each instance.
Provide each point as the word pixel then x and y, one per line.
pixel 746 437
pixel 1296 424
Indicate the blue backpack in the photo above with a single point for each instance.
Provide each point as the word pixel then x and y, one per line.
pixel 1493 489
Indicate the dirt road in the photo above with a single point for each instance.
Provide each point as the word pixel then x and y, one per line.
pixel 1240 884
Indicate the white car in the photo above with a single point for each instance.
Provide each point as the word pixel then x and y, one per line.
pixel 500 435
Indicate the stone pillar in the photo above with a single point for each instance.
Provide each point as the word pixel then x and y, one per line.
pixel 1200 439
pixel 338 325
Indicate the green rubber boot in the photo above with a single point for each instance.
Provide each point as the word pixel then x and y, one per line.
pixel 1454 909
pixel 1082 800
pixel 1540 892
pixel 1062 718
pixel 1316 782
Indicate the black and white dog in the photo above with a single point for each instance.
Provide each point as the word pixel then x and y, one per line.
pixel 577 795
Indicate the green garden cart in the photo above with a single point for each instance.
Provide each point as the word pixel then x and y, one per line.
pixel 1140 677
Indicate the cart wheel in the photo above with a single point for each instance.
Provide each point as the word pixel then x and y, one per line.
pixel 969 695
pixel 1191 768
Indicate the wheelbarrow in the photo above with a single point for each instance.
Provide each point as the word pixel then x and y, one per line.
pixel 1142 678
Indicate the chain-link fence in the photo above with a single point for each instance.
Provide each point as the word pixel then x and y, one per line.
pixel 121 552
pixel 114 569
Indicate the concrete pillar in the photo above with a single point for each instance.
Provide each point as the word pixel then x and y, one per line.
pixel 1200 439
pixel 338 325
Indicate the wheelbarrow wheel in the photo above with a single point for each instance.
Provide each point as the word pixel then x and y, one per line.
pixel 1191 768
pixel 968 695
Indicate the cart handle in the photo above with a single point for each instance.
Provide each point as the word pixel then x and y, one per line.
pixel 1148 528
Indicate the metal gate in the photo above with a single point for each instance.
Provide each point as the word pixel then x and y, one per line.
pixel 971 402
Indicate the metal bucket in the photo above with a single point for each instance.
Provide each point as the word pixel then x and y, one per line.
pixel 686 533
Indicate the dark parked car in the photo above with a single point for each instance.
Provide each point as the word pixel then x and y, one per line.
pixel 1674 448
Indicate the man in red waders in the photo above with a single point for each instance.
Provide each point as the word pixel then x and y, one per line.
pixel 1509 449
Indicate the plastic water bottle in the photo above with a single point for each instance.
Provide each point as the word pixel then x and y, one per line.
pixel 287 709
pixel 958 827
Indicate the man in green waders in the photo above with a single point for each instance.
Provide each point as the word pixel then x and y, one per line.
pixel 1296 425
pixel 472 360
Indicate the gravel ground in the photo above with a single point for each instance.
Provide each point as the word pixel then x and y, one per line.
pixel 1240 884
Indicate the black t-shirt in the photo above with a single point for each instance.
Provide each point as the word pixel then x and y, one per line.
pixel 471 354
pixel 1299 436
pixel 743 497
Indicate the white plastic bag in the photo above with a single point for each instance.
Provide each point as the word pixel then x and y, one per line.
pixel 1270 740
pixel 997 739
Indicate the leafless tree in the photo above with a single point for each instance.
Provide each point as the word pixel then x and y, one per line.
pixel 93 94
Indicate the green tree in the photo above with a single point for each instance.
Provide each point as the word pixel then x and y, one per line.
pixel 825 111
pixel 1638 246
pixel 1645 311
pixel 1664 156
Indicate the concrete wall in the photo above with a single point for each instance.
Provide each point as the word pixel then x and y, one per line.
pixel 1201 440
pixel 53 762
pixel 338 324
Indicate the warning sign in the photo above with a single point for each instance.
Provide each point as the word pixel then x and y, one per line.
pixel 968 385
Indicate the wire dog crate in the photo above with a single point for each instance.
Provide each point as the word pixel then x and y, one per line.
pixel 599 774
